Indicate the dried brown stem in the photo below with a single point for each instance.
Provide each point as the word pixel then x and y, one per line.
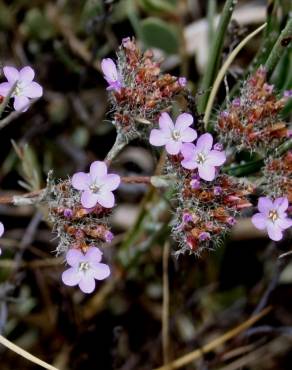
pixel 11 199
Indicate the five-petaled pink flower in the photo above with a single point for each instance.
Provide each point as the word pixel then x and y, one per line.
pixel 173 135
pixel 272 216
pixel 24 87
pixel 111 74
pixel 85 268
pixel 96 186
pixel 202 157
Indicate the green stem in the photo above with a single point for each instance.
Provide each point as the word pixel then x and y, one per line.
pixel 6 100
pixel 215 53
pixel 211 14
pixel 279 47
pixel 255 166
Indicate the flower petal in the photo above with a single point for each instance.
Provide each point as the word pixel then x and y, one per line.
pixel 188 135
pixel 97 170
pixel 259 221
pixel 284 223
pixel 204 142
pixel 109 69
pixel 281 204
pixel 5 88
pixel 1 229
pixel 80 181
pixel 158 137
pixel 33 90
pixel 274 232
pixel 183 121
pixel 173 147
pixel 106 199
pixel 71 277
pixel 11 74
pixel 73 257
pixel 165 123
pixel 102 271
pixel 26 74
pixel 89 199
pixel 111 182
pixel 207 172
pixel 265 204
pixel 216 158
pixel 87 283
pixel 93 254
pixel 188 150
pixel 189 163
pixel 21 103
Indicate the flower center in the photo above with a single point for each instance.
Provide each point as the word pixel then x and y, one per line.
pixel 175 135
pixel 201 157
pixel 18 89
pixel 83 266
pixel 273 215
pixel 94 188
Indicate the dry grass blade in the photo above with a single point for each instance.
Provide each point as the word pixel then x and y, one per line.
pixel 194 355
pixel 13 347
pixel 224 69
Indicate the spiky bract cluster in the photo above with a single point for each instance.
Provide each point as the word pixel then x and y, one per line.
pixel 145 91
pixel 278 176
pixel 252 120
pixel 76 226
pixel 207 211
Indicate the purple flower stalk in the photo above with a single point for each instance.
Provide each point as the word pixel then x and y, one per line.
pixel 96 186
pixel 173 135
pixel 24 87
pixel 111 74
pixel 202 157
pixel 85 268
pixel 272 217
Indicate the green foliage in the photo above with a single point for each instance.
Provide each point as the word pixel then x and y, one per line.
pixel 37 26
pixel 168 39
pixel 158 6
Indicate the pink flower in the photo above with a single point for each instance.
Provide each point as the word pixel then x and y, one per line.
pixel 1 233
pixel 202 157
pixel 85 268
pixel 272 216
pixel 111 74
pixel 173 135
pixel 25 88
pixel 1 229
pixel 96 186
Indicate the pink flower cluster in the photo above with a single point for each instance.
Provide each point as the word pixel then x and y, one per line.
pixel 96 189
pixel 177 138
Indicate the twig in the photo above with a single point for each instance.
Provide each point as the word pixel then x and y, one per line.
pixel 194 355
pixel 272 285
pixel 21 352
pixel 165 305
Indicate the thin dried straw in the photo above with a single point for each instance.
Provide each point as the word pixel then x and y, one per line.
pixel 13 347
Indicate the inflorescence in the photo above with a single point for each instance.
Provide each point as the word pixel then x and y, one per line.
pixel 207 202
